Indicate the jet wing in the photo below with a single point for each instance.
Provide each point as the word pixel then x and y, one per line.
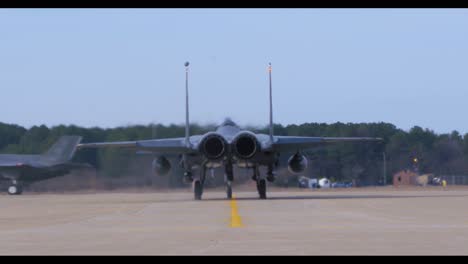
pixel 169 145
pixel 291 143
pixel 21 164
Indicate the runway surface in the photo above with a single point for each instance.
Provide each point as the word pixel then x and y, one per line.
pixel 331 222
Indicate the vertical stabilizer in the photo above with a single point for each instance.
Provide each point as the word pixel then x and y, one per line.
pixel 187 124
pixel 64 149
pixel 271 105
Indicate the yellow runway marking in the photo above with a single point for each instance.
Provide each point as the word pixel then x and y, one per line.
pixel 236 220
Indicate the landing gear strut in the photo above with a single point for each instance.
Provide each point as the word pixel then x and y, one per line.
pixel 261 183
pixel 255 173
pixel 261 188
pixel 229 177
pixel 197 189
pixel 270 174
pixel 198 184
pixel 188 178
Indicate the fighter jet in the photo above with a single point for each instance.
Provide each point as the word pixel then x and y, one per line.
pixel 26 169
pixel 227 146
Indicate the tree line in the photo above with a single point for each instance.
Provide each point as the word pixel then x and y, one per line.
pixel 362 163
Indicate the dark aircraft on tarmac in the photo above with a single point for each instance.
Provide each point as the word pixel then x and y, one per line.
pixel 26 169
pixel 227 146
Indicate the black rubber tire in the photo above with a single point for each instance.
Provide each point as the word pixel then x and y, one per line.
pixel 261 188
pixel 18 190
pixel 228 191
pixel 197 190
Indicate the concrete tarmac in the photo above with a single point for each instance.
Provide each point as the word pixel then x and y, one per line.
pixel 367 221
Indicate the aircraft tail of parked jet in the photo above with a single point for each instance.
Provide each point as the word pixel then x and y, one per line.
pixel 25 169
pixel 64 149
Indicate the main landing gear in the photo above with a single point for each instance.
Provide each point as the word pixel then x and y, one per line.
pixel 197 189
pixel 15 188
pixel 270 174
pixel 261 183
pixel 198 184
pixel 261 188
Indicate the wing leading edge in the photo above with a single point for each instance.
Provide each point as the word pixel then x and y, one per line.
pixel 21 164
pixel 170 145
pixel 291 143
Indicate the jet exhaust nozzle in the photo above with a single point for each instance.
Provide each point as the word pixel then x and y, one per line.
pixel 213 146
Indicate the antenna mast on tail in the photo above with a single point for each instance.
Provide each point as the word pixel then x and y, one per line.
pixel 271 105
pixel 187 125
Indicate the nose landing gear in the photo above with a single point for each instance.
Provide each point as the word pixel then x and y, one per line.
pixel 229 177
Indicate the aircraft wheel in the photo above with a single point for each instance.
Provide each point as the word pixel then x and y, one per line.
pixel 261 188
pixel 228 190
pixel 197 190
pixel 14 190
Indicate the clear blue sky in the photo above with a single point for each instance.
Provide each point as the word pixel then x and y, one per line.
pixel 112 67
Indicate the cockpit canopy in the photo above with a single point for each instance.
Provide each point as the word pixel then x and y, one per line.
pixel 228 122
